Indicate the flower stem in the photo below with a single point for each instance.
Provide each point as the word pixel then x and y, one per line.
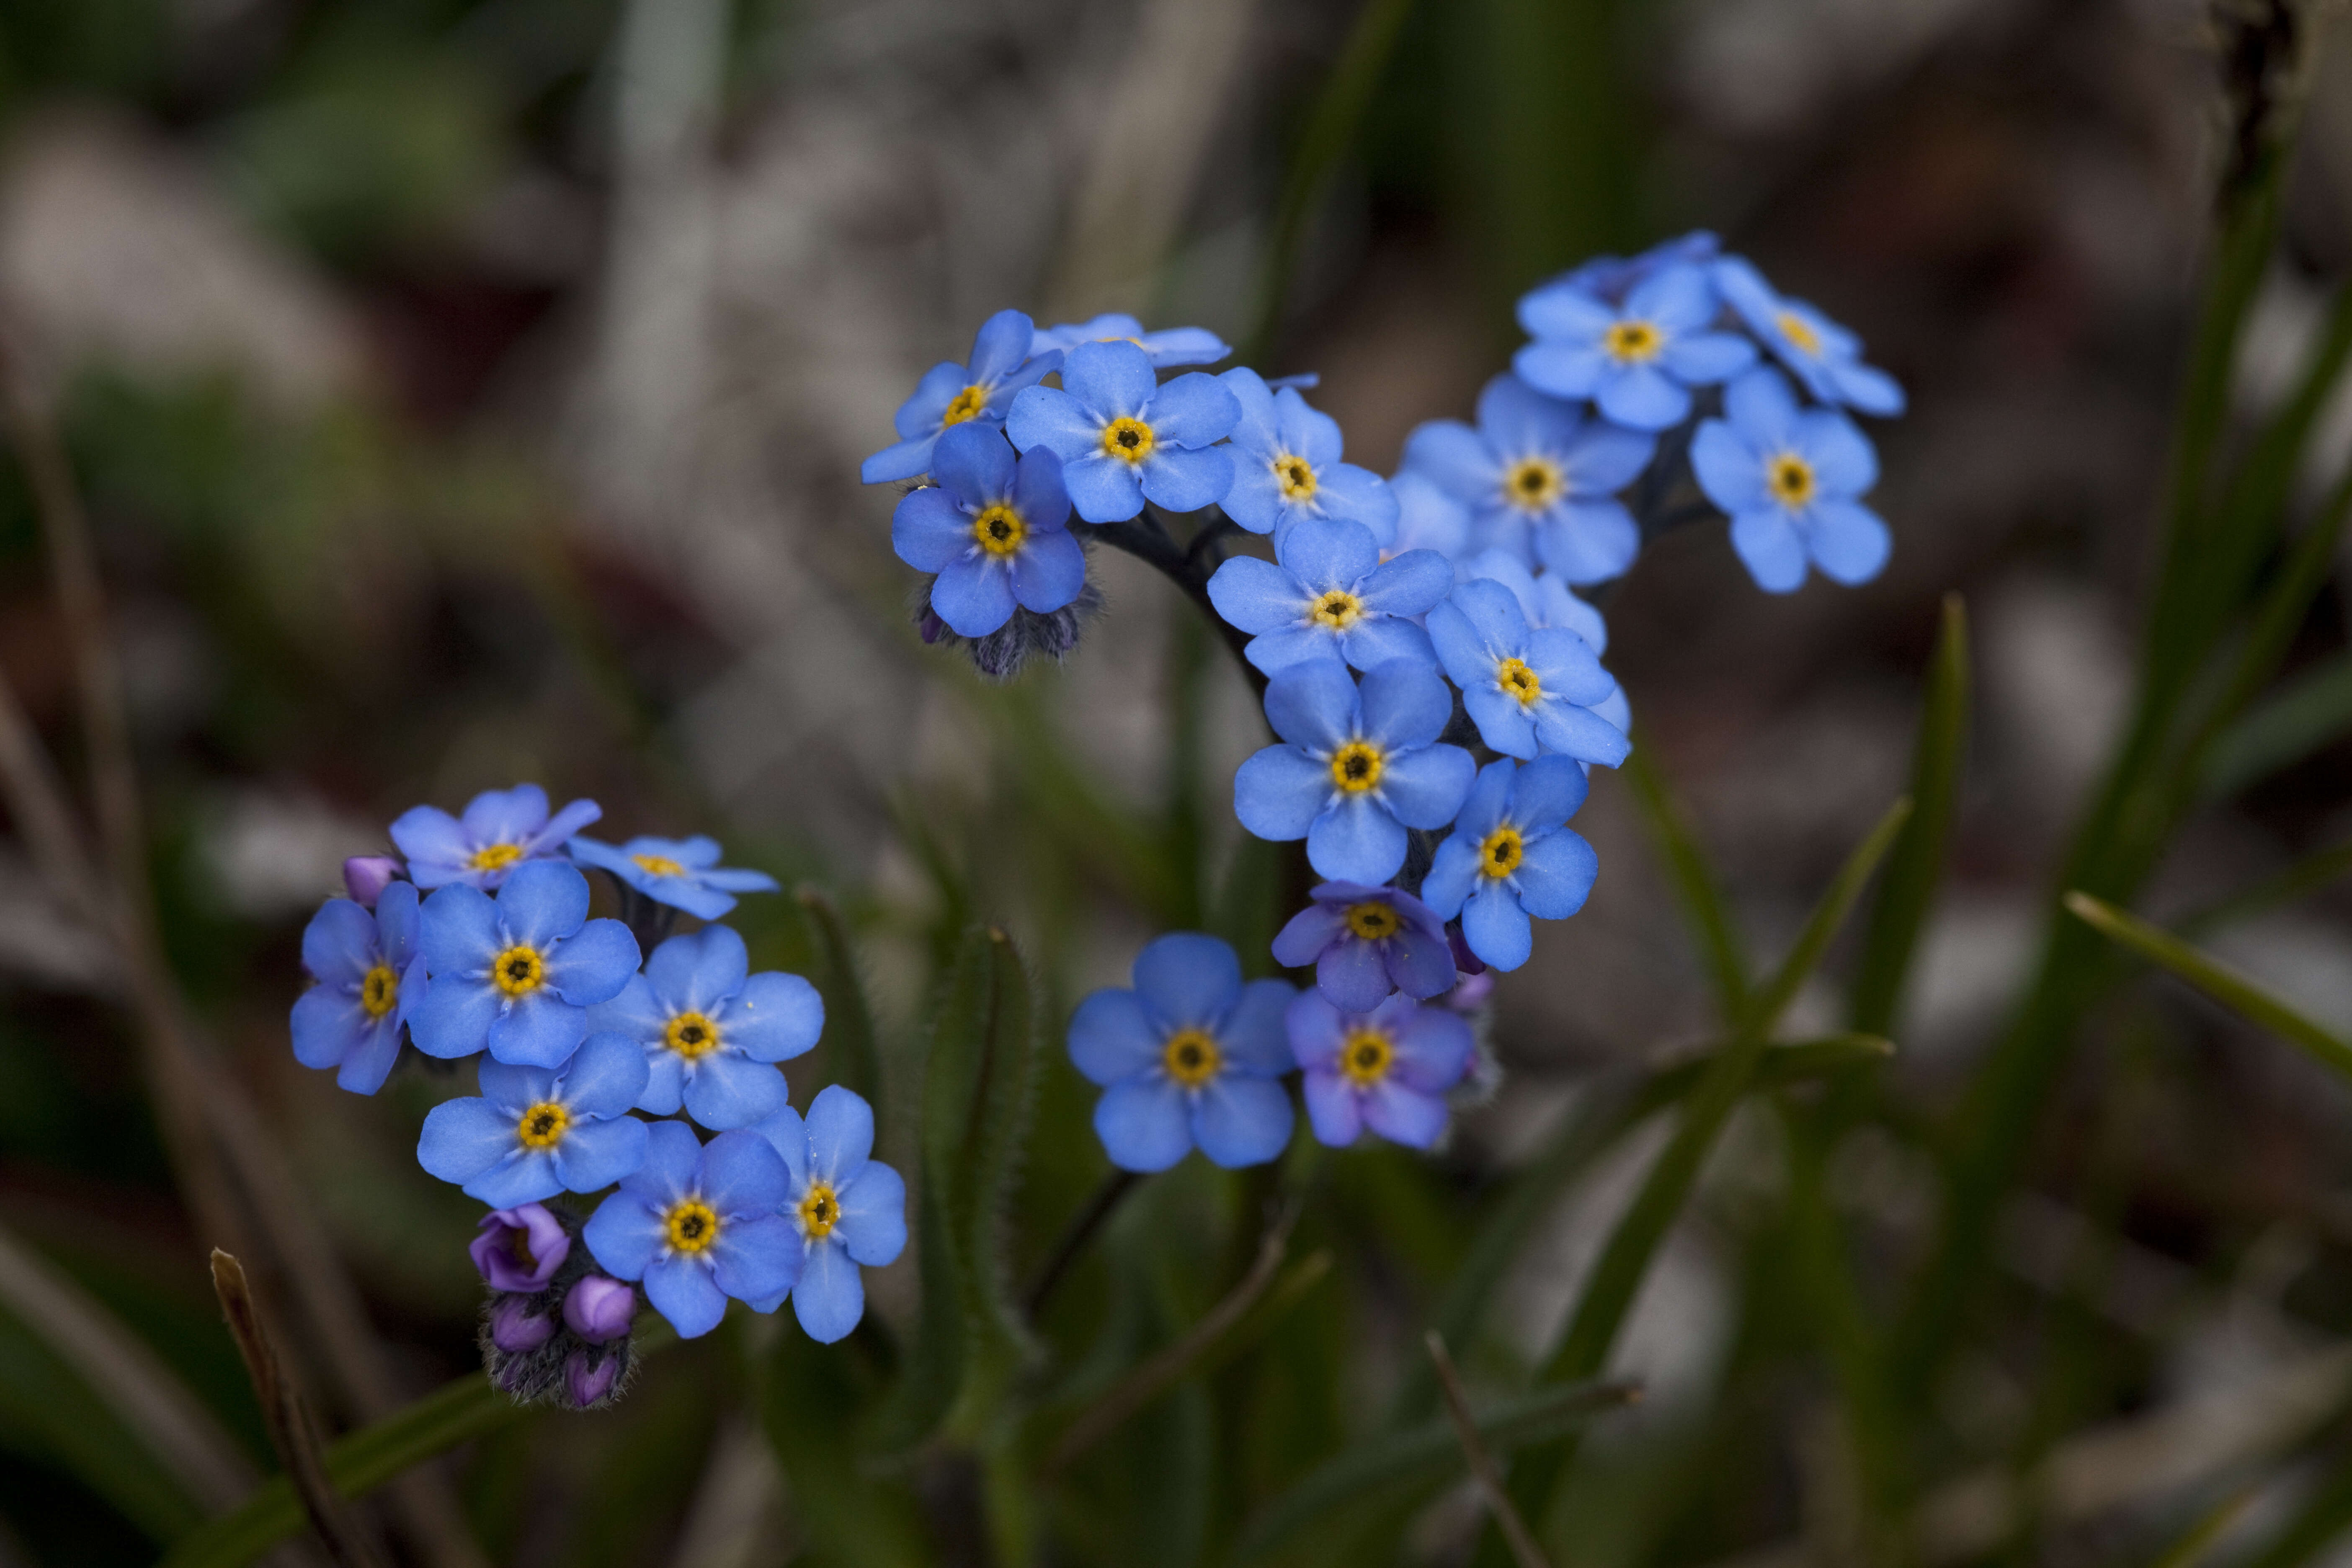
pixel 1076 1239
pixel 1149 540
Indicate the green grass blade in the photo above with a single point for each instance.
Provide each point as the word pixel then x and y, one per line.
pixel 1377 1470
pixel 853 1058
pixel 2302 878
pixel 1702 900
pixel 1331 129
pixel 1915 866
pixel 2311 711
pixel 2229 986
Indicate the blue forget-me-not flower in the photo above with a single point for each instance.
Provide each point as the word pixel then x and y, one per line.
pixel 1124 438
pixel 977 391
pixel 1611 278
pixel 1357 766
pixel 1825 356
pixel 1191 1056
pixel 1328 595
pixel 537 1131
pixel 1387 1069
pixel 997 532
pixel 517 974
pixel 699 1222
pixel 1637 361
pixel 849 1208
pixel 1367 942
pixel 1511 855
pixel 1789 477
pixel 1427 517
pixel 1286 465
pixel 371 977
pixel 501 829
pixel 1167 347
pixel 1540 479
pixel 709 1029
pixel 683 873
pixel 1545 598
pixel 1529 689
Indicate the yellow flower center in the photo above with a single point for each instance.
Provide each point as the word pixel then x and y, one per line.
pixel 1191 1057
pixel 1356 767
pixel 1366 1057
pixel 1791 479
pixel 494 856
pixel 820 1211
pixel 969 403
pixel 519 971
pixel 692 1225
pixel 1631 343
pixel 1533 484
pixel 541 1126
pixel 1802 338
pixel 1500 854
pixel 1373 922
pixel 999 529
pixel 379 991
pixel 1128 440
pixel 691 1034
pixel 1517 681
pixel 1337 609
pixel 659 866
pixel 1296 477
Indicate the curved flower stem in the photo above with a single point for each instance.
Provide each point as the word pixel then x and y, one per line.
pixel 1189 568
pixel 1077 1237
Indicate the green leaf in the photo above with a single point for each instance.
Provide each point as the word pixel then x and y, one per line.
pixel 2229 986
pixel 2293 881
pixel 852 1057
pixel 1599 1119
pixel 1377 1470
pixel 844 1516
pixel 1701 901
pixel 1330 129
pixel 1915 865
pixel 2311 711
pixel 980 1076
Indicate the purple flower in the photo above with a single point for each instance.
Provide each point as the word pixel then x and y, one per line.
pixel 1365 941
pixel 588 1378
pixel 500 830
pixel 996 531
pixel 371 981
pixel 519 1248
pixel 683 873
pixel 949 395
pixel 516 1329
pixel 365 877
pixel 1387 1069
pixel 599 1308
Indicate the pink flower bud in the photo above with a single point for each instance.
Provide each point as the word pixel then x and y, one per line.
pixel 519 1248
pixel 365 877
pixel 515 1328
pixel 589 1382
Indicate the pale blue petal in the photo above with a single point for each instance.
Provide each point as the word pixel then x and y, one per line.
pixel 1642 397
pixel 537 1031
pixel 1195 409
pixel 1728 467
pixel 1112 381
pixel 593 965
pixel 774 1018
pixel 1453 871
pixel 840 1130
pixel 1769 548
pixel 1049 418
pixel 341 941
pixel 460 928
pixel 1546 792
pixel 873 1224
pixel 1313 706
pixel 1143 1124
pixel 757 1257
pixel 1253 1037
pixel 1557 875
pixel 1186 479
pixel 624 1234
pixel 455 1017
pixel 742 1174
pixel 1589 541
pixel 973 596
pixel 525 1176
pixel 696 972
pixel 1411 584
pixel 1849 541
pixel 1704 358
pixel 1760 404
pixel 1495 927
pixel 928 531
pixel 1049 571
pixel 1112 1038
pixel 1102 490
pixel 595 1155
pixel 544 901
pixel 1504 721
pixel 1358 840
pixel 830 1297
pixel 1844 462
pixel 1571 732
pixel 1383 639
pixel 328 1023
pixel 1405 705
pixel 1187 980
pixel 1257 596
pixel 463 1137
pixel 1326 553
pixel 726 1090
pixel 1276 794
pixel 1452 457
pixel 682 1290
pixel 1240 1122
pixel 1425 788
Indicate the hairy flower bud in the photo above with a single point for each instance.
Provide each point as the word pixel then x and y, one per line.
pixel 519 1248
pixel 599 1308
pixel 515 1328
pixel 590 1378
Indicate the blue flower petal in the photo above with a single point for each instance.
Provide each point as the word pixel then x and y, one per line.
pixel 1425 788
pixel 1603 458
pixel 1865 387
pixel 1556 876
pixel 973 464
pixel 1489 798
pixel 1038 492
pixel 973 596
pixel 830 1297
pixel 1110 381
pixel 1570 670
pixel 928 531
pixel 1355 976
pixel 1049 572
pixel 1422 964
pixel 328 1023
pixel 1704 358
pixel 1546 792
pixel 919 414
pixel 1051 418
pixel 1305 431
pixel 1308 933
pixel 1278 792
pixel 1404 705
pixel 1848 540
pixel 1326 553
pixel 635 1012
pixel 1452 457
pixel 593 965
pixel 696 972
pixel 1192 410
pixel 840 1133
pixel 1240 1120
pixel 1112 1038
pixel 1565 730
pixel 595 1155
pixel 605 1077
pixel 1504 721
pixel 1187 980
pixel 1590 542
pixel 901 460
pixel 1761 406
pixel 1343 489
pixel 1433 1045
pixel 673 1162
pixel 511 1089
pixel 1769 546
pixel 1728 469
pixel 624 1234
pixel 544 901
pixel 1496 928
pixel 1257 596
pixel 1143 1124
pixel 682 1290
pixel 788 1135
pixel 506 816
pixel 1356 839
pixel 455 1017
pixel 1102 490
pixel 1452 872
pixel 341 941
pixel 742 1174
pixel 1411 584
pixel 463 1137
pixel 1561 368
pixel 773 1019
pixel 873 1224
pixel 1644 398
pixel 1844 462
pixel 1402 1115
pixel 1563 311
pixel 538 1031
pixel 1312 706
pixel 756 1256
pixel 1184 479
pixel 371 1059
pixel 726 1090
pixel 665 1091
pixel 524 1176
pixel 460 930
pixel 1254 1038
pixel 1000 347
pixel 1332 1108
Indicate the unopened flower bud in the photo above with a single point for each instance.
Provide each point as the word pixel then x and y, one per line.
pixel 519 1248
pixel 599 1308
pixel 1464 961
pixel 365 877
pixel 515 1328
pixel 589 1378
pixel 1470 991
